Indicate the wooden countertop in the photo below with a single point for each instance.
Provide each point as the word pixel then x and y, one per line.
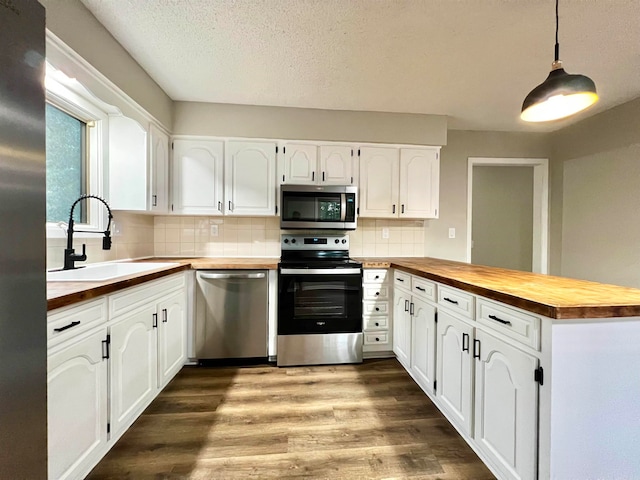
pixel 553 297
pixel 61 294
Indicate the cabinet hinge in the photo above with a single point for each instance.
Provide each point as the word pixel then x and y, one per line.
pixel 435 384
pixel 538 375
pixel 108 428
pixel 106 347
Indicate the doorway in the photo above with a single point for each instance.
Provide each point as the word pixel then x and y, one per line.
pixel 510 214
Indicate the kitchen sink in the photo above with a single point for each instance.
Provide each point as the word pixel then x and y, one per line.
pixel 105 271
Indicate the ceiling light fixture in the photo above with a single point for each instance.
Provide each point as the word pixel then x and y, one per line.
pixel 560 95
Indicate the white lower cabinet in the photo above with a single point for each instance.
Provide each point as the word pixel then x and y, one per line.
pixel 138 335
pixel 77 405
pixel 402 326
pixel 506 406
pixel 455 370
pixel 423 344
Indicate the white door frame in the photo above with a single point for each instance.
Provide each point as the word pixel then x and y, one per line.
pixel 540 260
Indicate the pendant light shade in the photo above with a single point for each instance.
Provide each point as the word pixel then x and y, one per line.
pixel 560 95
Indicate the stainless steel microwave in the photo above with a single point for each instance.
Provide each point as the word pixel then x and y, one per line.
pixel 331 207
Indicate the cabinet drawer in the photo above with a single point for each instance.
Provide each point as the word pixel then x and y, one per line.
pixel 67 322
pixel 375 292
pixel 520 326
pixel 423 288
pixel 374 276
pixel 376 338
pixel 372 307
pixel 376 323
pixel 401 280
pixel 132 298
pixel 456 300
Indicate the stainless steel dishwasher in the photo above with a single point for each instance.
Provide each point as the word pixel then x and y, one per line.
pixel 231 314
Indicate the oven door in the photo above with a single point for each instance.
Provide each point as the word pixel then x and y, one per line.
pixel 326 300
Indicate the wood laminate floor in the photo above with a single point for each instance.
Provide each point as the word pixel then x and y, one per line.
pixel 368 421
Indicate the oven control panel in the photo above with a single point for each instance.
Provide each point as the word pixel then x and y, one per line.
pixel 314 242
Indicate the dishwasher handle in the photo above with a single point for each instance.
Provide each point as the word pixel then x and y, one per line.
pixel 220 276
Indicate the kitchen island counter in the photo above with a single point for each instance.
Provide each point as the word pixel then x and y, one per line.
pixel 553 297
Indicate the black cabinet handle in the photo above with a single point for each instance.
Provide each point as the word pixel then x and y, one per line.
pixel 377 310
pixel 504 322
pixel 323 176
pixel 67 327
pixel 394 208
pixel 406 305
pixel 465 336
pixel 402 208
pixel 377 324
pixel 377 293
pixel 377 277
pixel 411 308
pixel 476 351
pixel 400 279
pixel 455 302
pixel 219 206
pixel 230 209
pixel 155 320
pixel 164 315
pixel 421 289
pixel 155 200
pixel 377 339
pixel 313 176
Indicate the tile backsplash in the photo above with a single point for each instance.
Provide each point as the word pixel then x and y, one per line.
pixel 136 235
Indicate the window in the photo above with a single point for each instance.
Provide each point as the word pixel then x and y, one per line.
pixel 77 123
pixel 66 155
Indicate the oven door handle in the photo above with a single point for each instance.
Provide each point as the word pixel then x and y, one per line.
pixel 320 271
pixel 343 207
pixel 218 276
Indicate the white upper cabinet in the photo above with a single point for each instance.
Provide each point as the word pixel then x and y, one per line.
pixel 399 182
pixel 250 178
pixel 159 170
pixel 127 164
pixel 300 164
pixel 379 174
pixel 311 164
pixel 197 177
pixel 419 183
pixel 336 165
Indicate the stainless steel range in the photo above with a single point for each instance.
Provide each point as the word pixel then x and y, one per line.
pixel 319 301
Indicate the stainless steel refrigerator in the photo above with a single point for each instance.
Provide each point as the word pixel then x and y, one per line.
pixel 23 315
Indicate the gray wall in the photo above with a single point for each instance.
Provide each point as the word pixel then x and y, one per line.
pixel 192 118
pixel 502 223
pixel 600 196
pixel 461 145
pixel 79 29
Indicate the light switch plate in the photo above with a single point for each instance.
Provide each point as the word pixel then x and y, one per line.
pixel 385 233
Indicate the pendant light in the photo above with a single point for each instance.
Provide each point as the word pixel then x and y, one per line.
pixel 560 95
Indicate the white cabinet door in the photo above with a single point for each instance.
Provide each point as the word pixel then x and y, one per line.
pixel 402 327
pixel 419 183
pixel 77 406
pixel 300 164
pixel 336 165
pixel 250 178
pixel 506 407
pixel 379 170
pixel 423 344
pixel 172 336
pixel 197 177
pixel 159 170
pixel 127 164
pixel 133 366
pixel 455 369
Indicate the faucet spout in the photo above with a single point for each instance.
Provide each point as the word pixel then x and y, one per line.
pixel 70 256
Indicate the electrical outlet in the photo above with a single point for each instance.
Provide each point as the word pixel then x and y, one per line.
pixel 452 232
pixel 385 233
pixel 214 230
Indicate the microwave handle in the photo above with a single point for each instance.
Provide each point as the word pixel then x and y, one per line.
pixel 343 207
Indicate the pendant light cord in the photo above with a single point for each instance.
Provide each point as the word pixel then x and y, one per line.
pixel 557 50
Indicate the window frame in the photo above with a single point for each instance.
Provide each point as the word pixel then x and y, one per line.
pixel 70 96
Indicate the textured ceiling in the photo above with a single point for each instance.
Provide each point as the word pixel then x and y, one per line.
pixel 472 60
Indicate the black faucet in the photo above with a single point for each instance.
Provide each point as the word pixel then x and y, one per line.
pixel 70 255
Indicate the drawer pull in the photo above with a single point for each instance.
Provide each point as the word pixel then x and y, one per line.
pixel 377 339
pixel 377 277
pixel 400 279
pixel 377 309
pixel 465 336
pixel 67 327
pixel 377 293
pixel 455 302
pixel 476 343
pixel 421 289
pixel 377 324
pixel 497 319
